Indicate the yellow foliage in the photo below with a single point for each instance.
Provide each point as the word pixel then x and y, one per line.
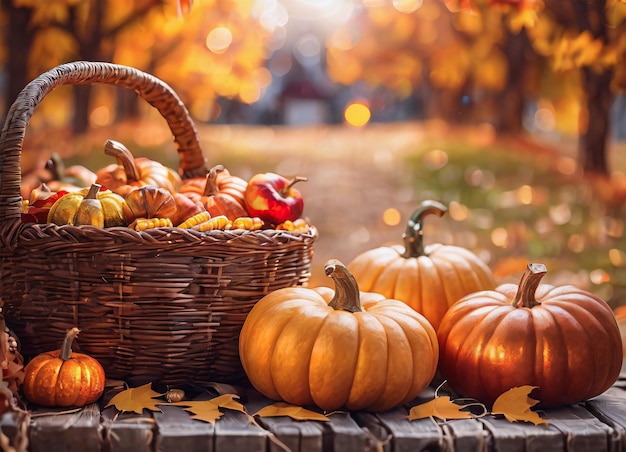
pixel 491 71
pixel 49 11
pixel 51 46
pixel 450 66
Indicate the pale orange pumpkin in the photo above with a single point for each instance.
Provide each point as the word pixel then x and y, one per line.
pixel 429 278
pixel 341 348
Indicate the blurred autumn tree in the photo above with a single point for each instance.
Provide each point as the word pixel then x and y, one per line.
pixel 216 49
pixel 441 57
pixel 501 53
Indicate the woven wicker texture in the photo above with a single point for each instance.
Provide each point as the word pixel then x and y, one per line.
pixel 162 305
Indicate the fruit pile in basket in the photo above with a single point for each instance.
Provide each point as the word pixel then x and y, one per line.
pixel 142 194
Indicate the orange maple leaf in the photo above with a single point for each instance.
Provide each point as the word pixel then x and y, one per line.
pixel 515 405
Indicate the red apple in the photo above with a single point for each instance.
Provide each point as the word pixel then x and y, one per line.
pixel 273 199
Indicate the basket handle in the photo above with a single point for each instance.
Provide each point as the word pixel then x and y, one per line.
pixel 156 92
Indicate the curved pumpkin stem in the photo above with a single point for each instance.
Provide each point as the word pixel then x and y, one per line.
pixel 66 349
pixel 125 158
pixel 210 187
pixel 525 296
pixel 347 295
pixel 414 233
pixel 286 188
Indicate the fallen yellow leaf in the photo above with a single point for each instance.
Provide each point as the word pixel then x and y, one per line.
pixel 515 405
pixel 136 399
pixel 295 412
pixel 209 410
pixel 440 407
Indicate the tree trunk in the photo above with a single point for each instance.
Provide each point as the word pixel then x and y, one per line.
pixel 18 50
pixel 593 138
pixel 511 99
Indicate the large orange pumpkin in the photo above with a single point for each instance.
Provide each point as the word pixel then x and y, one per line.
pixel 61 378
pixel 131 172
pixel 563 340
pixel 429 278
pixel 220 193
pixel 341 348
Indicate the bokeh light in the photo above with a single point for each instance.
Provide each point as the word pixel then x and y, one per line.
pixel 392 217
pixel 100 116
pixel 407 6
pixel 219 39
pixel 435 159
pixel 357 114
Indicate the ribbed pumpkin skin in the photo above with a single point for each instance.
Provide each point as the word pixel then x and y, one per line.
pixel 295 347
pixel 429 283
pixel 54 382
pixel 568 345
pixel 220 193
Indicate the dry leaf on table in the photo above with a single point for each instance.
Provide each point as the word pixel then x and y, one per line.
pixel 208 410
pixel 441 407
pixel 515 405
pixel 295 412
pixel 136 399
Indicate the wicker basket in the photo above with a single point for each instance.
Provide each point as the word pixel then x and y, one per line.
pixel 161 305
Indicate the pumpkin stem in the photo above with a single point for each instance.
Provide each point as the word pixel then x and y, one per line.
pixel 125 158
pixel 210 187
pixel 93 191
pixel 525 296
pixel 347 295
pixel 56 166
pixel 66 349
pixel 414 233
pixel 286 188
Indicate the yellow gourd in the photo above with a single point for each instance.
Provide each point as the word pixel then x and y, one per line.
pixel 88 206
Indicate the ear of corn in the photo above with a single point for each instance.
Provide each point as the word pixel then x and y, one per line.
pixel 249 223
pixel 195 220
pixel 299 225
pixel 220 222
pixel 141 224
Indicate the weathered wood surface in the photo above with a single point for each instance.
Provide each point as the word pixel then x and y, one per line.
pixel 595 426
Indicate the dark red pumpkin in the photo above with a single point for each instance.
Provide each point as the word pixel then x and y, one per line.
pixel 563 340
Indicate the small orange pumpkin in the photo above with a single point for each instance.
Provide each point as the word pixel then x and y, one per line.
pixel 430 278
pixel 61 378
pixel 130 172
pixel 149 202
pixel 341 348
pixel 220 192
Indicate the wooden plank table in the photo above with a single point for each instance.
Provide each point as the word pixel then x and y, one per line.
pixel 596 425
